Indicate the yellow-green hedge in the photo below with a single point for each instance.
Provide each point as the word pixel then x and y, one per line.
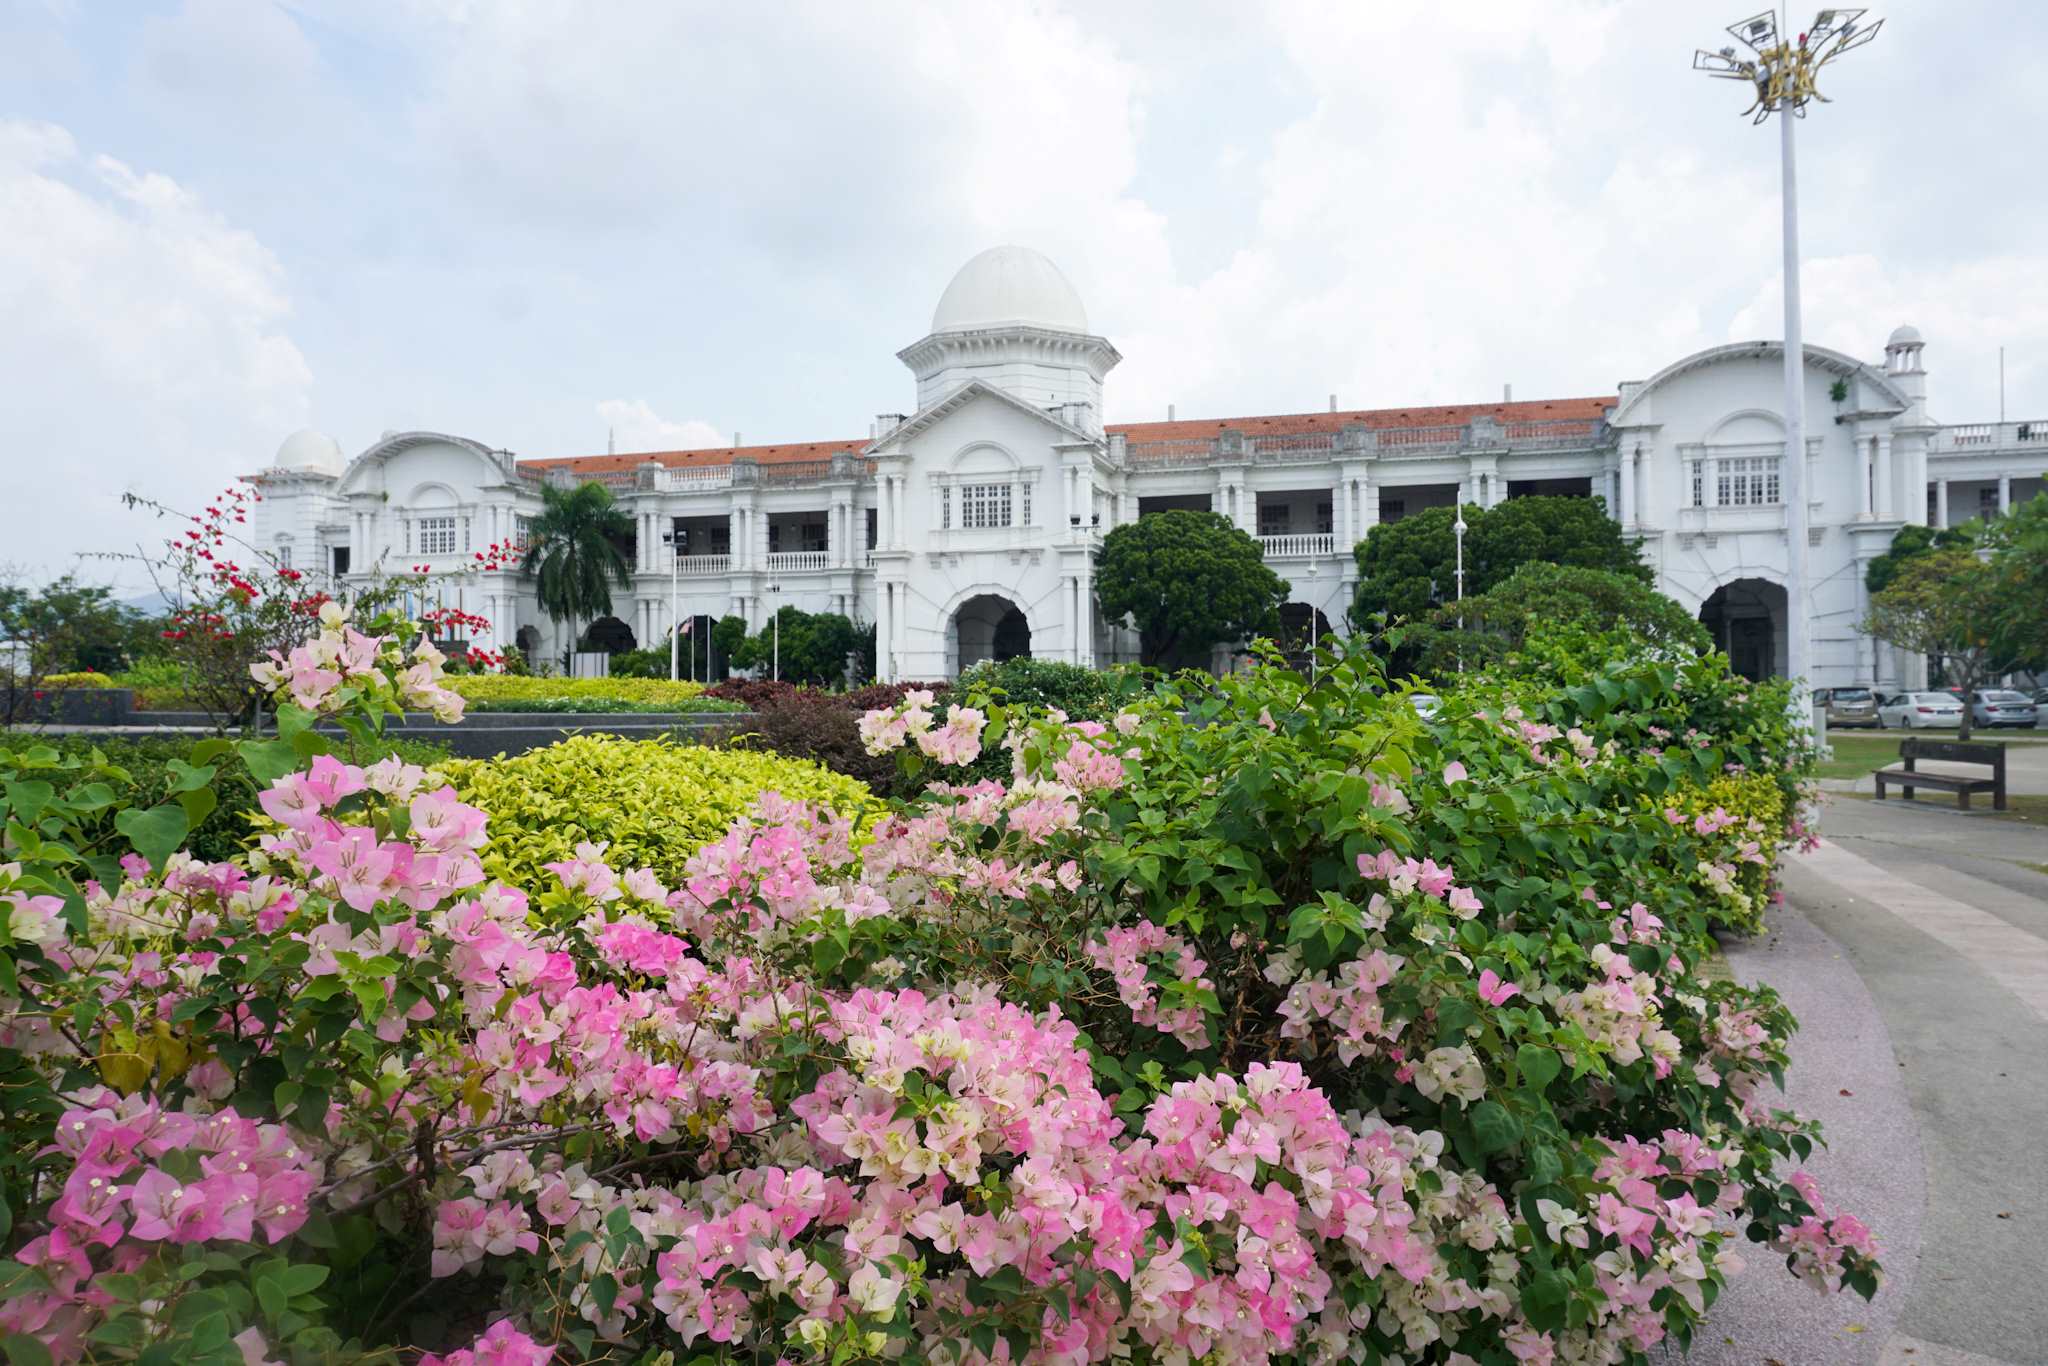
pixel 86 679
pixel 656 802
pixel 1758 804
pixel 520 688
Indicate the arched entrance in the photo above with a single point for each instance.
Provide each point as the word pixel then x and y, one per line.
pixel 988 627
pixel 528 640
pixel 608 634
pixel 1747 620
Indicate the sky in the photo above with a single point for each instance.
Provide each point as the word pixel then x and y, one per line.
pixel 547 225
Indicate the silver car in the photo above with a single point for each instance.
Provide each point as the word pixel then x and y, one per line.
pixel 1848 706
pixel 1919 710
pixel 2002 707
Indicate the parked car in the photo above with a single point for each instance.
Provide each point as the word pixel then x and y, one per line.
pixel 2002 707
pixel 1848 706
pixel 1919 710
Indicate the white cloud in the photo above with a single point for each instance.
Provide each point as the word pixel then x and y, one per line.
pixel 152 334
pixel 635 426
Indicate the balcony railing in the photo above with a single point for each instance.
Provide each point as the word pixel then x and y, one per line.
pixel 1991 436
pixel 1298 545
pixel 798 559
pixel 694 481
pixel 1485 434
pixel 703 564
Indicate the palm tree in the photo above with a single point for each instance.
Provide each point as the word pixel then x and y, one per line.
pixel 572 553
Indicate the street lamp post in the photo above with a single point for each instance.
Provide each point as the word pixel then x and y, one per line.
pixel 1782 71
pixel 669 538
pixel 1458 534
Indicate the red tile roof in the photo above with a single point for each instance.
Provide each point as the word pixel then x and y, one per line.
pixel 793 453
pixel 1379 419
pixel 1283 424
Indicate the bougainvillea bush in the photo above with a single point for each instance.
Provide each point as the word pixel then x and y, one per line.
pixel 1263 1022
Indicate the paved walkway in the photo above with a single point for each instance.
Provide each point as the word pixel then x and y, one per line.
pixel 1914 948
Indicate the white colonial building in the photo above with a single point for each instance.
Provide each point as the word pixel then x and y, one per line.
pixel 969 528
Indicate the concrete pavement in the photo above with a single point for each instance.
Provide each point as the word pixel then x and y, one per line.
pixel 1914 948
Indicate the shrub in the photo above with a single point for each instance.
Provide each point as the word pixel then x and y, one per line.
pixel 1267 1022
pixel 506 690
pixel 1082 693
pixel 85 679
pixel 159 684
pixel 654 802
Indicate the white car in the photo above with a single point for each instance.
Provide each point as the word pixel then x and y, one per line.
pixel 1918 710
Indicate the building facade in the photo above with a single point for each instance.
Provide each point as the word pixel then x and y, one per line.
pixel 969 528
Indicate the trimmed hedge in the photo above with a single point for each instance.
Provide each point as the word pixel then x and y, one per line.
pixel 497 690
pixel 654 802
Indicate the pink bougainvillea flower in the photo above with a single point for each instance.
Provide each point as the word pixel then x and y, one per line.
pixel 1493 990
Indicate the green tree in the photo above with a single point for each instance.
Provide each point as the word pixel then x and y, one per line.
pixel 2018 543
pixel 1408 568
pixel 1945 603
pixel 1912 542
pixel 572 553
pixel 1545 613
pixel 1188 581
pixel 79 626
pixel 813 647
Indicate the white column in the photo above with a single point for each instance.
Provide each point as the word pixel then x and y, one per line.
pixel 1884 476
pixel 761 519
pixel 1941 502
pixel 1866 479
pixel 1340 498
pixel 2004 494
pixel 1628 488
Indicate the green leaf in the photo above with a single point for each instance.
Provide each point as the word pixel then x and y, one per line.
pixel 303 1280
pixel 1494 1127
pixel 23 1350
pixel 188 778
pixel 604 1290
pixel 268 760
pixel 198 803
pixel 155 833
pixel 1538 1065
pixel 271 1296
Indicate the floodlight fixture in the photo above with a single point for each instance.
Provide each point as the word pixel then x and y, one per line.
pixel 1784 70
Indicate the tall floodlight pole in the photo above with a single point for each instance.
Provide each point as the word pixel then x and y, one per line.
pixel 1781 71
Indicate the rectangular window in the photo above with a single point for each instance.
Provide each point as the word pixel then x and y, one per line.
pixel 284 557
pixel 1025 520
pixel 1987 504
pixel 1699 483
pixel 1274 519
pixel 437 535
pixel 984 505
pixel 1748 481
pixel 945 508
pixel 341 559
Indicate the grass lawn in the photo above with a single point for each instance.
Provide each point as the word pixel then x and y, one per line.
pixel 1859 752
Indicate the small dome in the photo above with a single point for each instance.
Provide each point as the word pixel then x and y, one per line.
pixel 310 450
pixel 1907 335
pixel 1008 286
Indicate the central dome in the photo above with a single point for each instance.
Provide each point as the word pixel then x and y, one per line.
pixel 1009 286
pixel 310 450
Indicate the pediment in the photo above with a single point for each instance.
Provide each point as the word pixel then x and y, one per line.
pixel 968 395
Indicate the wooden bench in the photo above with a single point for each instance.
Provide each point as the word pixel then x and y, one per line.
pixel 1951 752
